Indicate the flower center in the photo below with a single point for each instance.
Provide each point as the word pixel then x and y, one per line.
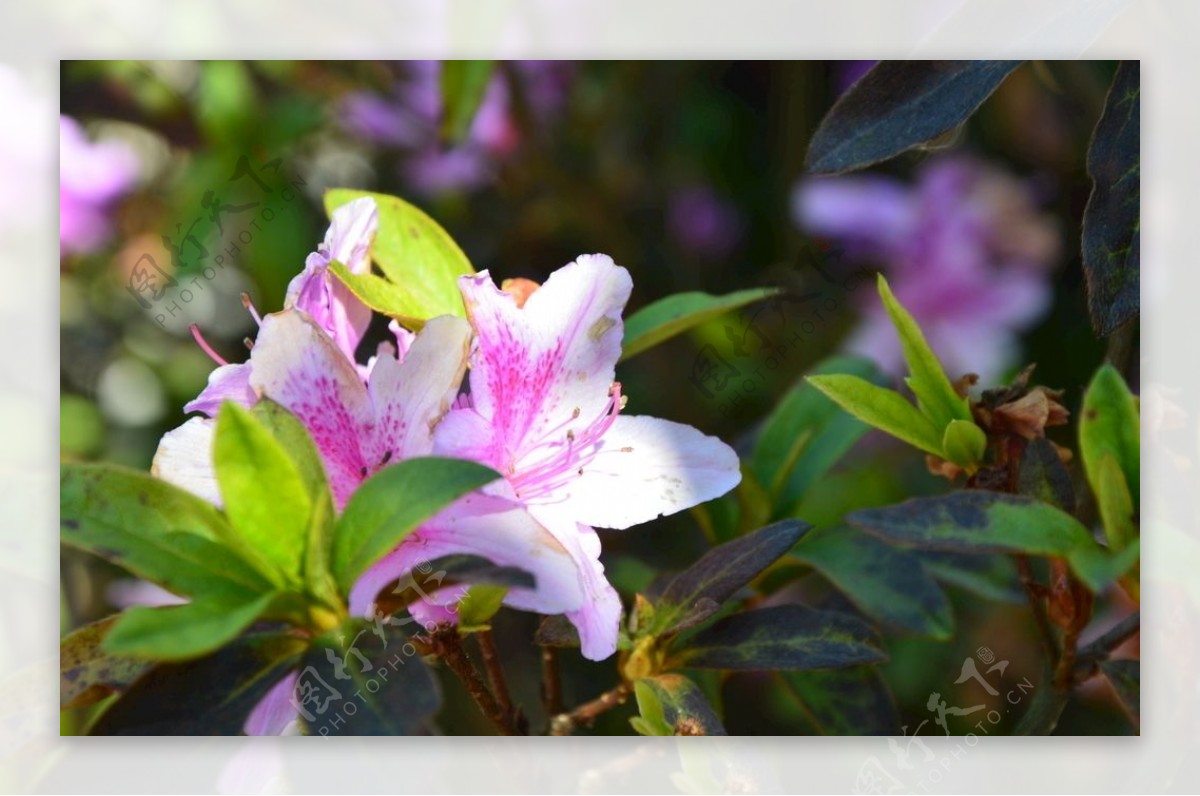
pixel 563 452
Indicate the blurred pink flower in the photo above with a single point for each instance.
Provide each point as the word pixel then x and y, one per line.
pixel 966 250
pixel 91 177
pixel 409 120
pixel 703 223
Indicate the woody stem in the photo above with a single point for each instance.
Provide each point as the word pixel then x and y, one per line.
pixel 495 673
pixel 1025 570
pixel 565 723
pixel 449 648
pixel 551 683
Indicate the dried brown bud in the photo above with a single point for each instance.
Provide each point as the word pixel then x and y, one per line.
pixel 1029 415
pixel 939 466
pixel 519 288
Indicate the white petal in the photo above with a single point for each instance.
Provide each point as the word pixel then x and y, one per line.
pixel 184 458
pixel 646 468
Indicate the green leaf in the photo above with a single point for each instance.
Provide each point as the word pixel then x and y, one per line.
pixel 391 688
pixel 852 701
pixel 993 577
pixel 395 502
pixel 479 605
pixel 1126 679
pixel 884 409
pixel 1112 219
pixel 464 84
pixel 677 705
pixel 156 531
pixel 651 719
pixel 212 695
pixel 674 315
pixel 887 584
pixel 899 105
pixel 1109 425
pixel 87 672
pixel 723 570
pixel 784 637
pixel 265 494
pixel 1043 475
pixel 1115 504
pixel 293 437
pixel 988 522
pixel 180 632
pixel 793 432
pixel 936 396
pixel 964 444
pixel 420 262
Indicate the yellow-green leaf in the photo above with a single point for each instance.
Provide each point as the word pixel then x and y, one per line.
pixel 886 410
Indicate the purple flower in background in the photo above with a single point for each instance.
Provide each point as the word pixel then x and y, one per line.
pixel 966 250
pixel 91 177
pixel 409 119
pixel 703 223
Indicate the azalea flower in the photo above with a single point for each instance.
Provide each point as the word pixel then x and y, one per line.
pixel 966 251
pixel 544 410
pixel 91 177
pixel 316 292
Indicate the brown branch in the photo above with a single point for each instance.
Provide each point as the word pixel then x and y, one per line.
pixel 565 723
pixel 495 673
pixel 449 648
pixel 1033 591
pixel 1102 647
pixel 551 682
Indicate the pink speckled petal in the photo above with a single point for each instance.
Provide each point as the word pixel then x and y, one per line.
pixel 598 618
pixel 496 529
pixel 410 397
pixel 297 365
pixel 535 368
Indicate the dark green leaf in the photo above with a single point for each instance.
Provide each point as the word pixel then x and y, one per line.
pixel 987 522
pixel 464 84
pixel 993 577
pixel 1112 218
pixel 395 502
pixel 265 495
pixel 887 584
pixel 462 568
pixel 421 263
pixel 852 701
pixel 675 314
pixel 392 690
pixel 726 568
pixel 87 673
pixel 793 430
pixel 1126 678
pixel 155 531
pixel 208 696
pixel 556 631
pixel 899 105
pixel 684 708
pixel 1043 475
pixel 784 637
pixel 886 410
pixel 1044 710
pixel 179 632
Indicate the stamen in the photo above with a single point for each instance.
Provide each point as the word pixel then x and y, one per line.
pixel 246 341
pixel 566 455
pixel 249 305
pixel 204 346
